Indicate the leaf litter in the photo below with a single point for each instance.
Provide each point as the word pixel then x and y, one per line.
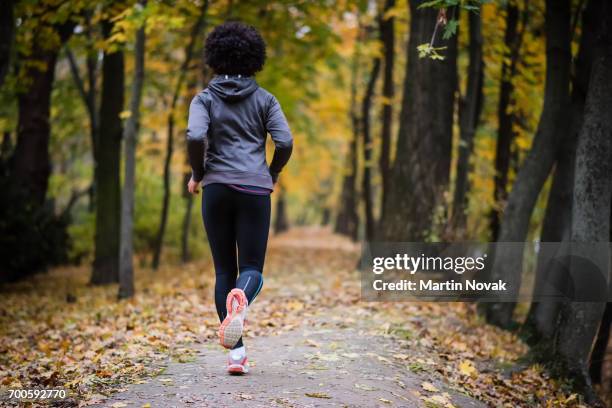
pixel 57 331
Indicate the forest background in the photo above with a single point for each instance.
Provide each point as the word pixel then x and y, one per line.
pixel 440 120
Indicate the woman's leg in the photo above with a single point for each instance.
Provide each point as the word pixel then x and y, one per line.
pixel 252 227
pixel 252 222
pixel 218 212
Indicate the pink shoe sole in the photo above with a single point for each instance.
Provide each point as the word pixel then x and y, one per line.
pixel 232 326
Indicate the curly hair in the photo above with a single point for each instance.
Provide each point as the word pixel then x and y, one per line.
pixel 235 48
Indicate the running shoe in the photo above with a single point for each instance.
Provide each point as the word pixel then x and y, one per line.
pixel 232 326
pixel 237 362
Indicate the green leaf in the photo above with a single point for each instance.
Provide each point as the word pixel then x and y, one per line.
pixel 450 29
pixel 432 3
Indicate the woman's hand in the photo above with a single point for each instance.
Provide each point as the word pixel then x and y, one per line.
pixel 193 186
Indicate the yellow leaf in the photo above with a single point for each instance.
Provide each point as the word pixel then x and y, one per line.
pixel 317 395
pixel 439 400
pixel 427 386
pixel 312 343
pixel 294 305
pixel 44 347
pixel 571 398
pixel 466 367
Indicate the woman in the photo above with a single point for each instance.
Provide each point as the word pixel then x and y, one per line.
pixel 226 142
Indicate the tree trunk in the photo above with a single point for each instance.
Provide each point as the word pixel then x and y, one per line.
pixel 326 216
pixel 347 221
pixel 469 114
pixel 6 146
pixel 31 164
pixel 185 254
pixel 182 73
pixel 366 106
pixel 92 74
pixel 159 241
pixel 88 95
pixel 505 134
pixel 126 264
pixel 37 238
pixel 204 78
pixel 508 261
pixel 187 197
pixel 108 185
pixel 601 346
pixel 7 33
pixel 387 37
pixel 424 144
pixel 281 223
pixel 541 319
pixel 579 321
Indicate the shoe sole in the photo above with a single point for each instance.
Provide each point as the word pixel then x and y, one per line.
pixel 232 326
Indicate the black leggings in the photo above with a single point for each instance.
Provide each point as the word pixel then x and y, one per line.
pixel 236 221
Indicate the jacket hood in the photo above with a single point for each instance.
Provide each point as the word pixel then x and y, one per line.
pixel 232 88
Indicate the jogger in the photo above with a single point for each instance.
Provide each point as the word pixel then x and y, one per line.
pixel 228 125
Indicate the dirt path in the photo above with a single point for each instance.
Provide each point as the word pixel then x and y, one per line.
pixel 302 368
pixel 312 345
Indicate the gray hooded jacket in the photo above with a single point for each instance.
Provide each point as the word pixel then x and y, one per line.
pixel 227 129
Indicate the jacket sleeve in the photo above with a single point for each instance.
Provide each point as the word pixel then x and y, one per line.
pixel 277 126
pixel 197 138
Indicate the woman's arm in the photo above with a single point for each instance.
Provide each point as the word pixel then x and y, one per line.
pixel 278 128
pixel 197 139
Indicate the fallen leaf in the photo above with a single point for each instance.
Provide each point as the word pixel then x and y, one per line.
pixel 365 387
pixel 104 373
pixel 312 343
pixel 439 400
pixel 466 367
pixel 427 386
pixel 328 357
pixel 318 395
